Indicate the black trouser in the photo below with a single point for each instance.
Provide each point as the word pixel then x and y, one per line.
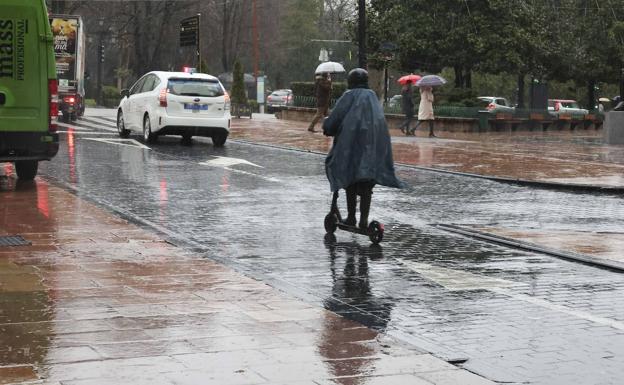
pixel 365 191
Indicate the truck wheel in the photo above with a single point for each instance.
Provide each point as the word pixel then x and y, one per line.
pixel 73 117
pixel 26 169
pixel 66 117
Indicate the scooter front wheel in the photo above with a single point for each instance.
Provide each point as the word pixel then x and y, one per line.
pixel 331 223
pixel 375 232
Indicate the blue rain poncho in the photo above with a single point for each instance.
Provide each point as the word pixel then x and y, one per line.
pixel 362 150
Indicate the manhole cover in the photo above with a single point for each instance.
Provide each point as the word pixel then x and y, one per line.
pixel 13 240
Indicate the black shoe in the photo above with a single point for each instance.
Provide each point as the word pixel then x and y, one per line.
pixel 349 221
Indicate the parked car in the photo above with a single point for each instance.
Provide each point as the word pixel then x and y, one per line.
pixel 394 103
pixel 175 103
pixel 279 98
pixel 565 107
pixel 28 87
pixel 495 104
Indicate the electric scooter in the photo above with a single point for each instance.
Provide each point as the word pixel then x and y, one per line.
pixel 333 221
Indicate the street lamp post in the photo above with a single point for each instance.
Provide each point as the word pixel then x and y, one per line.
pixel 387 50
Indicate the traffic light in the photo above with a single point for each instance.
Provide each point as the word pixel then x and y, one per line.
pixel 101 53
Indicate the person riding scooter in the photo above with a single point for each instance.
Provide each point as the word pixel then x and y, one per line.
pixel 361 156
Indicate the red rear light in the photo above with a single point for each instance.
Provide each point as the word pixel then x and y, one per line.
pixel 162 97
pixel 53 102
pixel 270 98
pixel 69 99
pixel 491 106
pixel 557 106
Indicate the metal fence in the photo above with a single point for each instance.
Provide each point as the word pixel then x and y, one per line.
pixel 467 112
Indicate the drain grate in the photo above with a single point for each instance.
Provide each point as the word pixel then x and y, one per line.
pixel 13 240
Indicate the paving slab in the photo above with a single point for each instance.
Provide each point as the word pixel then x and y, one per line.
pixel 97 300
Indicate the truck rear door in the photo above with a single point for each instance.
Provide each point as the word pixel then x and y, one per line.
pixel 25 61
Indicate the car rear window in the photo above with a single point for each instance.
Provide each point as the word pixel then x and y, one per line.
pixel 570 104
pixel 195 87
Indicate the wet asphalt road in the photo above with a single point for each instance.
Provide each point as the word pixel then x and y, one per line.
pixel 515 316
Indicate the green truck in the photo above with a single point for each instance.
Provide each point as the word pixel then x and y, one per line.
pixel 28 86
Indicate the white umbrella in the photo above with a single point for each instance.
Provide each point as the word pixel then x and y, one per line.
pixel 329 66
pixel 431 81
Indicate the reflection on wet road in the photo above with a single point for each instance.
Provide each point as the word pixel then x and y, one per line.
pixel 514 315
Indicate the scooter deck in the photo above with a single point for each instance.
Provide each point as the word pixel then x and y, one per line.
pixel 352 229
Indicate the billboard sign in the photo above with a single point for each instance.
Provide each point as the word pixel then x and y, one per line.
pixel 65 34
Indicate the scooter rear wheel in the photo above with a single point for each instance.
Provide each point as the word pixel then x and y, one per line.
pixel 375 232
pixel 331 223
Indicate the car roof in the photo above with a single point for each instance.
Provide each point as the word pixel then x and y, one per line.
pixel 563 100
pixel 490 97
pixel 185 75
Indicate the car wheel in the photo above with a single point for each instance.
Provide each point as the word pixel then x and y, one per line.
pixel 121 126
pixel 147 130
pixel 219 140
pixel 26 169
pixel 186 140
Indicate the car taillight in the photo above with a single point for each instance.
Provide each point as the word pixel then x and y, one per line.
pixel 557 106
pixel 289 98
pixel 491 106
pixel 53 102
pixel 269 98
pixel 226 96
pixel 162 97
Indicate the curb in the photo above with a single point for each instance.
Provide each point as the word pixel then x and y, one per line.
pixel 567 255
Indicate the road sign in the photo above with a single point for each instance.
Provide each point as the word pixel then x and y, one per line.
pixel 189 31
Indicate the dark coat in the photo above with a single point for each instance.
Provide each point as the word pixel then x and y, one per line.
pixel 407 101
pixel 362 150
pixel 323 92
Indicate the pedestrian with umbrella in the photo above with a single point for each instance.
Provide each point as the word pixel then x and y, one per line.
pixel 425 108
pixel 407 106
pixel 323 89
pixel 407 100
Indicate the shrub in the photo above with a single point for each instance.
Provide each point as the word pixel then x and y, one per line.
pixel 238 84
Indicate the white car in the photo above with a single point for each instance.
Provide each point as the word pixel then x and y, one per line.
pixel 565 107
pixel 175 103
pixel 496 104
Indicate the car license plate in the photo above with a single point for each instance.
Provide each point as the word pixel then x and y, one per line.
pixel 195 107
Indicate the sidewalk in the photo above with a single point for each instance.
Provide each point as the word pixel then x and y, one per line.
pixel 95 300
pixel 570 160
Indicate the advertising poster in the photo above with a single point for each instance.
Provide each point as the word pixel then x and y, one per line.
pixel 65 32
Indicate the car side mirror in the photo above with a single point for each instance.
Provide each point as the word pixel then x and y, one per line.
pixel 125 93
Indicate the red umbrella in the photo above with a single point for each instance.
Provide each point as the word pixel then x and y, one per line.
pixel 411 77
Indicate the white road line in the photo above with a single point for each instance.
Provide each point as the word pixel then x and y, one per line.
pixel 121 142
pixel 251 174
pixel 77 132
pixel 86 125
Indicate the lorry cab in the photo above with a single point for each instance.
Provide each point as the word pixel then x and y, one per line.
pixel 28 86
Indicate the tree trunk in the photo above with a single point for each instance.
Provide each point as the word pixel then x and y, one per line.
pixel 459 76
pixel 520 96
pixel 468 78
pixel 591 95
